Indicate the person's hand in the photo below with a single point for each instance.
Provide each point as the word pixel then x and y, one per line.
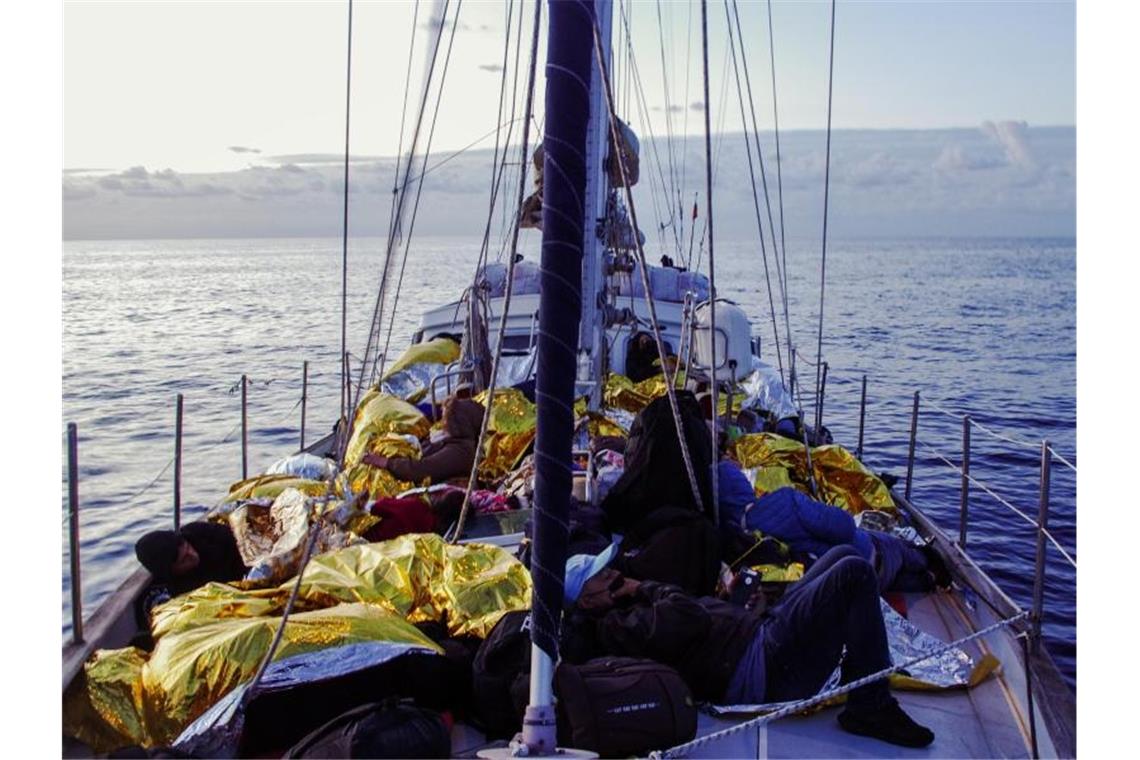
pixel 376 460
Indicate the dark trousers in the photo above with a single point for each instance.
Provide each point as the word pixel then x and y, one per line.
pixel 835 604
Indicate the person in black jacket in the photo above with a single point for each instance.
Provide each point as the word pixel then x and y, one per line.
pixel 737 655
pixel 198 553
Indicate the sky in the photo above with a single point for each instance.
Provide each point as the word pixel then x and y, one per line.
pixel 227 119
pixel 180 85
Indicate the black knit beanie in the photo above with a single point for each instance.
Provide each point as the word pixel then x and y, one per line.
pixel 158 550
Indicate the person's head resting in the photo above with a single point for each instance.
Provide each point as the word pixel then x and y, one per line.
pixel 166 554
pixel 582 568
pixel 462 418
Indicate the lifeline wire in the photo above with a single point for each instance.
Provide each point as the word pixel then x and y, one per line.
pixel 995 434
pixel 795 707
pixel 985 488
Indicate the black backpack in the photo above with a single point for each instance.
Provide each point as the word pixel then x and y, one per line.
pixel 673 545
pixel 378 729
pixel 622 706
pixel 500 676
pixel 654 467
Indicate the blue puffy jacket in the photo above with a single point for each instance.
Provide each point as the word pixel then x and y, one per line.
pixel 805 525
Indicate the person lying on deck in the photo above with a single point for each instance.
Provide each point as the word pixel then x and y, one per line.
pixel 196 554
pixel 738 655
pixel 811 528
pixel 449 457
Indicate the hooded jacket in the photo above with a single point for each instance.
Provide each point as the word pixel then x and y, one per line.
pixel 451 457
pixel 805 525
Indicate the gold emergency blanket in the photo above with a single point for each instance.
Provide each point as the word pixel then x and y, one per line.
pixel 271 486
pixel 377 414
pixel 410 376
pixel 842 478
pixel 212 639
pixel 510 432
pixel 377 481
pixel 272 541
pixel 191 669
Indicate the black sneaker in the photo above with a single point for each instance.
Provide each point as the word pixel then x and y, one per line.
pixel 890 724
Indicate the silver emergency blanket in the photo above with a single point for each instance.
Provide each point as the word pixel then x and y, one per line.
pixel 216 732
pixel 952 669
pixel 764 390
pixel 307 466
pixel 515 369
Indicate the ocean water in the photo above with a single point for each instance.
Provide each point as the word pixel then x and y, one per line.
pixel 985 327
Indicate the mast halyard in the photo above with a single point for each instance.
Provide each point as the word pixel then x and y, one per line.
pixel 592 329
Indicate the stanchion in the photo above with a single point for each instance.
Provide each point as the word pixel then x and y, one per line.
pixel 244 429
pixel 910 454
pixel 1042 527
pixel 73 531
pixel 965 501
pixel 178 463
pixel 862 418
pixel 304 399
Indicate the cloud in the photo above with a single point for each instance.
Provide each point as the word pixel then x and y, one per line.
pixel 1012 137
pixel 317 158
pixel 243 149
pixel 962 182
pixel 697 105
pixel 955 158
pixel 494 68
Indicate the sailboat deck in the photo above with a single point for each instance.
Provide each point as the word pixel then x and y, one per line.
pixel 978 722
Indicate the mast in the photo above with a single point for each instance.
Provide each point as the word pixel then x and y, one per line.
pixel 569 71
pixel 592 334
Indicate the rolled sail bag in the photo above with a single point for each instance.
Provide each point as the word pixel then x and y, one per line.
pixel 378 729
pixel 622 706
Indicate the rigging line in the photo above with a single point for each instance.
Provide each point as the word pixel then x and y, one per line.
pixel 755 200
pixel 498 168
pixel 795 707
pixel 779 164
pixel 344 238
pixel 383 357
pixel 523 150
pixel 712 267
pixel 780 275
pixel 438 164
pixel 826 190
pixel 504 176
pixel 392 206
pixel 670 379
pixel 644 110
pixel 393 229
pixel 495 167
pixel 985 488
pixel 668 127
